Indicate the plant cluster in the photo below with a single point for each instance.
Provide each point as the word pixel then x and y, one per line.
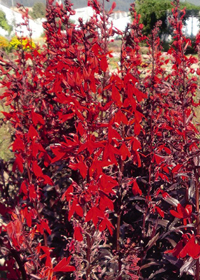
pixel 104 183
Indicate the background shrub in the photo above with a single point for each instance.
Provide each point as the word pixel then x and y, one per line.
pixel 4 43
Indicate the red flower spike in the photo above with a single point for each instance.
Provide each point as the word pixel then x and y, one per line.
pixel 37 170
pixel 44 226
pixel 18 145
pixel 161 212
pixel 120 118
pixel 105 202
pixel 135 189
pixel 94 214
pixel 81 167
pixel 32 192
pixel 176 250
pixel 78 234
pixel 46 255
pixel 80 129
pixel 112 133
pixel 63 266
pixel 107 183
pixel 32 133
pixel 68 193
pixel 177 168
pixel 75 208
pixel 109 154
pixel 37 118
pixel 112 7
pixel 116 97
pixel 182 213
pixel 192 248
pixel 157 159
pixel 198 71
pixel 137 128
pixel 124 151
pixel 104 63
pixel 19 162
pixel 106 224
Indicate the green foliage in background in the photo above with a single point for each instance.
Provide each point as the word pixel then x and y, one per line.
pixel 38 11
pixel 153 10
pixel 3 22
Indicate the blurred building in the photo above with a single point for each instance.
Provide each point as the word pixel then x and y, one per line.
pixel 14 19
pixel 120 20
pixel 192 26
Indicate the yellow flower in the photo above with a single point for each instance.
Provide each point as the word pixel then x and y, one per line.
pixel 4 43
pixel 26 43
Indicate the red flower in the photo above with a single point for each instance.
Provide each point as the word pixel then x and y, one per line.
pixel 183 213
